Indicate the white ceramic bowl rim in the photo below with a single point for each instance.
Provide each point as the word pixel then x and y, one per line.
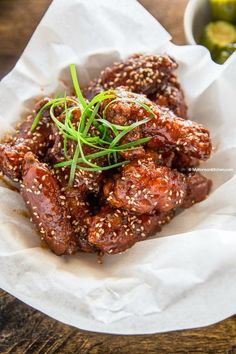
pixel 188 21
pixel 197 16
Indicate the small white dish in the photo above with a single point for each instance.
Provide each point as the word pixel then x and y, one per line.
pixel 197 16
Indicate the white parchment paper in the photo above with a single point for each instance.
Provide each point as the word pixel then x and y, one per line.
pixel 186 279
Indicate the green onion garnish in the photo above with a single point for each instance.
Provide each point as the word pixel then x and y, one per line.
pixel 92 129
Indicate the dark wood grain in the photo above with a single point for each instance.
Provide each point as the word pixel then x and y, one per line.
pixel 24 330
pixel 170 14
pixel 18 20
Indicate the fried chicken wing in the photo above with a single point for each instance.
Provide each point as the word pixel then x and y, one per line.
pixel 13 150
pixel 11 158
pixel 85 183
pixel 152 75
pixel 80 209
pixel 164 158
pixel 114 230
pixel 139 73
pixel 80 212
pixel 171 95
pixel 142 187
pixel 167 131
pixel 184 163
pixel 198 188
pixel 47 206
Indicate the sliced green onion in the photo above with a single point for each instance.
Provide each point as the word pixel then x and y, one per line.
pixel 129 128
pixel 101 97
pixel 48 104
pixel 106 123
pixel 76 85
pixel 73 165
pixel 133 144
pixel 91 119
pixel 103 168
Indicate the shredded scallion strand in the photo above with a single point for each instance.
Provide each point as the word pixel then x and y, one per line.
pixel 76 85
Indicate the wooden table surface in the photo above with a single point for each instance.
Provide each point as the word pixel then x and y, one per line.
pixel 25 330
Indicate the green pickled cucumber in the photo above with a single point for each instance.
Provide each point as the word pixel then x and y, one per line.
pixel 223 56
pixel 225 53
pixel 217 35
pixel 223 10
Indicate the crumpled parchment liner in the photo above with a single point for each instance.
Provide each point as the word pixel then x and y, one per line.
pixel 181 281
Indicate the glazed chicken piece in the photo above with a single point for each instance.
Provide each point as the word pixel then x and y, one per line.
pixel 78 204
pixel 164 158
pixel 184 163
pixel 152 75
pixel 81 212
pixel 171 95
pixel 167 131
pixel 198 188
pixel 84 184
pixel 47 206
pixel 139 73
pixel 85 181
pixel 143 187
pixel 12 151
pixel 114 230
pixel 11 158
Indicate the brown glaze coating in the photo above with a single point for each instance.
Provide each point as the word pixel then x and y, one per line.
pixel 164 158
pixel 47 206
pixel 167 131
pixel 184 163
pixel 80 212
pixel 13 150
pixel 161 158
pixel 198 188
pixel 11 158
pixel 85 181
pixel 171 95
pixel 141 187
pixel 114 230
pixel 152 75
pixel 139 73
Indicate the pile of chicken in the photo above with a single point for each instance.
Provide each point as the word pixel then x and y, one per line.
pixel 108 212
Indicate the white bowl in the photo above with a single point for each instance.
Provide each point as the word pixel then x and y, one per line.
pixel 197 16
